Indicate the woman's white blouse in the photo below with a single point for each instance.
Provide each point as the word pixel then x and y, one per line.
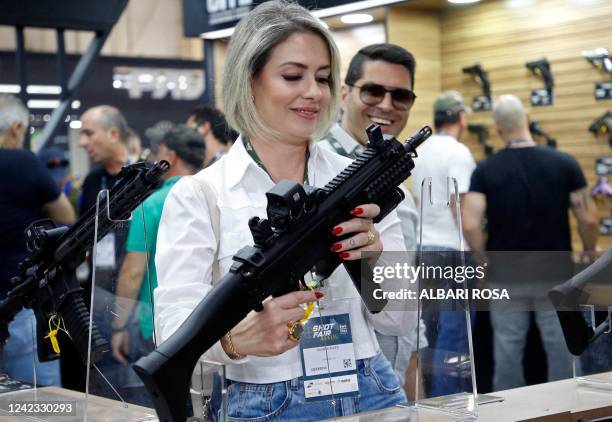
pixel 186 246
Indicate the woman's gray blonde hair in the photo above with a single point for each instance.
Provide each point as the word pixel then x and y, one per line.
pixel 256 35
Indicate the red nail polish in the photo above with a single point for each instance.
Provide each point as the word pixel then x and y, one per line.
pixel 319 295
pixel 337 230
pixel 344 255
pixel 357 211
pixel 336 247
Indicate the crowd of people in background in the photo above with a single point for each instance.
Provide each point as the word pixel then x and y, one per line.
pixel 516 199
pixel 47 190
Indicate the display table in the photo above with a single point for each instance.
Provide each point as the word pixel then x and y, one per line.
pixel 559 401
pixel 98 408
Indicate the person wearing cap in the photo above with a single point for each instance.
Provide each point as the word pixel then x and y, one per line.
pixel 441 157
pixel 132 329
pixel 373 72
pixel 182 147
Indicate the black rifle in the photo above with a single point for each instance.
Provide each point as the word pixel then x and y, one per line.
pixel 542 68
pixel 482 76
pixel 482 133
pixel 568 297
pixel 291 242
pixel 47 282
pixel 536 130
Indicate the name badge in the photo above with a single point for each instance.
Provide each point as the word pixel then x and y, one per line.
pixel 328 358
pixel 105 252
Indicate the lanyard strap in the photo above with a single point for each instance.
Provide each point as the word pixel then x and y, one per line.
pixel 249 147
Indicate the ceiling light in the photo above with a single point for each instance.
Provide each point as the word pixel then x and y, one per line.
pixel 352 7
pixel 10 89
pixel 44 89
pixel 320 13
pixel 145 78
pixel 220 33
pixel 355 18
pixel 47 104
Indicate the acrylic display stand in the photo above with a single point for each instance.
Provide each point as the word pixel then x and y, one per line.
pixel 107 376
pixel 447 382
pixel 597 358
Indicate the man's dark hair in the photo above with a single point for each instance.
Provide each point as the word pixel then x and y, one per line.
pixel 217 121
pixel 386 52
pixel 187 143
pixel 447 117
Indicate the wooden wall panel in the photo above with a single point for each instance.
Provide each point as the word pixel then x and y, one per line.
pixel 351 40
pixel 147 28
pixel 502 39
pixel 418 31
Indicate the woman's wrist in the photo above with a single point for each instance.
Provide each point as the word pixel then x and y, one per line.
pixel 228 347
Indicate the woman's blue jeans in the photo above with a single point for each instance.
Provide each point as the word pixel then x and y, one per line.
pixel 284 401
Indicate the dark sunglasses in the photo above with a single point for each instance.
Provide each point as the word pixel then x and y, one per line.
pixel 373 94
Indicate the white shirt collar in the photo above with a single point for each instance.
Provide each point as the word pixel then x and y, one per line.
pixel 242 163
pixel 347 141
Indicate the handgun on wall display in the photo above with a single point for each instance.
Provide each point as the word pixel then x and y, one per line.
pixel 603 126
pixel 600 58
pixel 541 68
pixel 536 130
pixel 482 132
pixel 483 78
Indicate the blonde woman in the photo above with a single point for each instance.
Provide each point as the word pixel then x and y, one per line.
pixel 280 92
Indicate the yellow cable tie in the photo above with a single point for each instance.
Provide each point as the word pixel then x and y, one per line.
pixel 52 336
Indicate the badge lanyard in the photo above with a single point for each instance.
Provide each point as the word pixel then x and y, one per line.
pixel 249 148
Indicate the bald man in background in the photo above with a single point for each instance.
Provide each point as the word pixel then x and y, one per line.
pixel 524 191
pixel 104 136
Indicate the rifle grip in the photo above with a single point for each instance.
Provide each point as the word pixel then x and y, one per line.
pixel 76 318
pixel 365 285
pixel 388 203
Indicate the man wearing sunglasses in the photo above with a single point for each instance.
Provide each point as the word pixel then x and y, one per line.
pixel 378 89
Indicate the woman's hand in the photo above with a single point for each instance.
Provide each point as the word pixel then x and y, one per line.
pixel 365 238
pixel 266 333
